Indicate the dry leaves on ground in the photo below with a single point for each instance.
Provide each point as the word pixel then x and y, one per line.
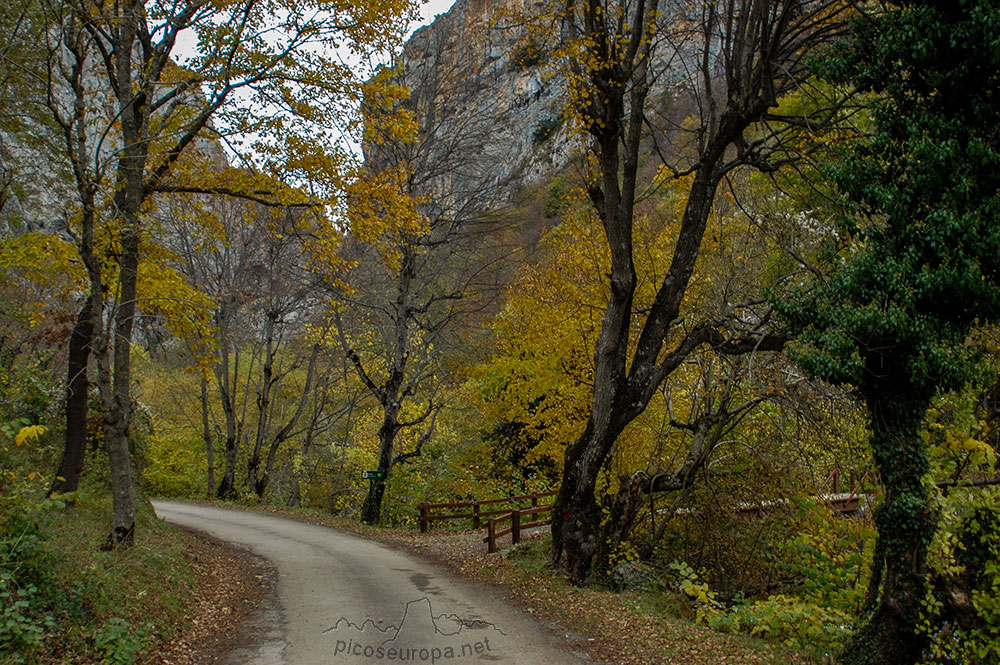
pixel 230 584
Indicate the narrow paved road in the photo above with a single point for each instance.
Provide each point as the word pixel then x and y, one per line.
pixel 348 601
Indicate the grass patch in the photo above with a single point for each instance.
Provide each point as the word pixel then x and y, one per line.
pixel 68 602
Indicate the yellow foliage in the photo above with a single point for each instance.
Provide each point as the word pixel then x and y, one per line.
pixel 29 433
pixel 384 213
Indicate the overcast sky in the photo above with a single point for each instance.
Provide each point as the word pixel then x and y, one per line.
pixel 431 9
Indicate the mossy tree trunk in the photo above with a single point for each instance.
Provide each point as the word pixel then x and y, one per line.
pixel 905 520
pixel 920 273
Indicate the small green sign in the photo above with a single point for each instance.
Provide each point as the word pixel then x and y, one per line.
pixel 371 475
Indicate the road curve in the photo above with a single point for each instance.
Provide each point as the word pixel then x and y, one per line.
pixel 348 601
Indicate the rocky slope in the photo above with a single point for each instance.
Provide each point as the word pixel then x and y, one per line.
pixel 487 102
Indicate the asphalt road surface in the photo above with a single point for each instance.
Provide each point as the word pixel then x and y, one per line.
pixel 342 600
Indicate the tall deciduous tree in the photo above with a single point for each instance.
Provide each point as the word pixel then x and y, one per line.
pixel 733 60
pixel 894 319
pixel 254 262
pixel 132 118
pixel 427 256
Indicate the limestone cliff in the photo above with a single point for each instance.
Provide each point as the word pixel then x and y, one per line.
pixel 487 105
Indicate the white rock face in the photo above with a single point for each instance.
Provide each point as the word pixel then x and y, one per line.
pixel 37 185
pixel 481 101
pixel 479 105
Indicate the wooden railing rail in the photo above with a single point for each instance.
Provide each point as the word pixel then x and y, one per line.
pixel 476 514
pixel 517 524
pixel 854 482
pixel 850 501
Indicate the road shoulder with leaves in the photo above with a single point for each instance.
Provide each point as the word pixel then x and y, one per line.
pixel 626 628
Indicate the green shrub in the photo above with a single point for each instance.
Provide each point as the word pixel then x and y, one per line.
pixel 22 625
pixel 555 197
pixel 795 622
pixel 823 567
pixel 118 643
pixel 828 558
pixel 526 55
pixel 546 128
pixel 27 603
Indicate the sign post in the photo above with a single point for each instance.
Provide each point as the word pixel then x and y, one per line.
pixel 374 477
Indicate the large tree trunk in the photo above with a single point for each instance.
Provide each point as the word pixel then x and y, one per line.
pixel 118 417
pixel 906 523
pixel 371 512
pixel 75 443
pixel 576 515
pixel 128 199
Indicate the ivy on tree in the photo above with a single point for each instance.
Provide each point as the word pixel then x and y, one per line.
pixel 893 319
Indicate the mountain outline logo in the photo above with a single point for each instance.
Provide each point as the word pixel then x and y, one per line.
pixel 419 636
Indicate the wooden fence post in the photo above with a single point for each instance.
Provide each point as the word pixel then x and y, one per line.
pixel 491 536
pixel 534 500
pixel 423 517
pixel 475 516
pixel 515 526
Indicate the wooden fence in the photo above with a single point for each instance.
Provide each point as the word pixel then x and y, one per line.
pixel 517 523
pixel 477 514
pixel 501 521
pixel 850 501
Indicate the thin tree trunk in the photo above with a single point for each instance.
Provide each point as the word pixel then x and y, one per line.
pixel 371 512
pixel 255 476
pixel 75 443
pixel 390 394
pixel 206 433
pixel 282 435
pixel 227 487
pixel 308 439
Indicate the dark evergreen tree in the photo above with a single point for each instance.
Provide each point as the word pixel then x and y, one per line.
pixel 894 318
